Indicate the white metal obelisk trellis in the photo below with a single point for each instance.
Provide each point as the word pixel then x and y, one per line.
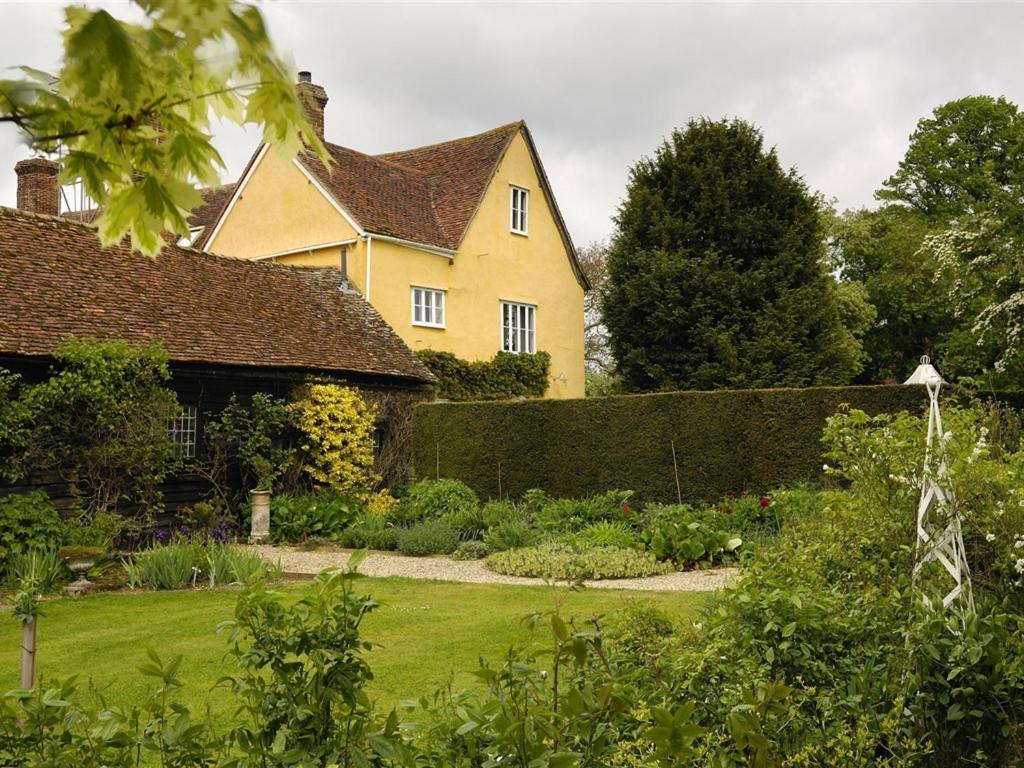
pixel 939 535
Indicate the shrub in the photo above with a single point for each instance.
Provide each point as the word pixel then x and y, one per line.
pixel 687 542
pixel 470 523
pixel 100 422
pixel 470 550
pixel 28 522
pixel 100 529
pixel 567 515
pixel 430 537
pixel 506 376
pixel 639 630
pixel 381 504
pixel 252 436
pixel 497 512
pixel 337 427
pixel 605 534
pixel 370 533
pixel 510 534
pixel 433 499
pixel 206 521
pixel 559 561
pixel 295 519
pixel 725 440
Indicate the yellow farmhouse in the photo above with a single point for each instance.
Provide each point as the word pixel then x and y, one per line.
pixel 460 245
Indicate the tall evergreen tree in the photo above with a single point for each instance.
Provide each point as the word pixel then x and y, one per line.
pixel 715 275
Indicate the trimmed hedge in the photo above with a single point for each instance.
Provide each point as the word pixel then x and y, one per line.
pixel 503 378
pixel 726 441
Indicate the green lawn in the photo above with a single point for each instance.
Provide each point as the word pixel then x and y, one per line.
pixel 427 630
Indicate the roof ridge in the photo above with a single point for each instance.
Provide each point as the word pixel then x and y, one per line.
pixel 375 159
pixel 187 249
pixel 515 124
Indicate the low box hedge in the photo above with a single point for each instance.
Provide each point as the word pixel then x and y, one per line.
pixel 725 441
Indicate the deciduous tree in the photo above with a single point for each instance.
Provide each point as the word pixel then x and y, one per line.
pixel 131 106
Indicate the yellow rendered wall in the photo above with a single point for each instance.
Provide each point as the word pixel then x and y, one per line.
pixel 279 209
pixel 492 264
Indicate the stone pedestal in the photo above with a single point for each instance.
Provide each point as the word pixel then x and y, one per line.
pixel 260 529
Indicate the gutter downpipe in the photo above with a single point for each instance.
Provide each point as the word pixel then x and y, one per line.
pixel 369 262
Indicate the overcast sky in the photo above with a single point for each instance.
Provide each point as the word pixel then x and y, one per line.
pixel 836 88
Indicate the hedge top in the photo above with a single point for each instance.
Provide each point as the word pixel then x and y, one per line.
pixel 724 441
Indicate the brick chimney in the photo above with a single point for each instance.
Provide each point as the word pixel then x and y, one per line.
pixel 314 99
pixel 38 190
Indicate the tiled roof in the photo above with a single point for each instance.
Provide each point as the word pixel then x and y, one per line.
pixel 426 195
pixel 214 198
pixel 385 198
pixel 459 172
pixel 57 281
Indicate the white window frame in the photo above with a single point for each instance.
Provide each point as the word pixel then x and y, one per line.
pixel 519 217
pixel 518 327
pixel 434 308
pixel 182 431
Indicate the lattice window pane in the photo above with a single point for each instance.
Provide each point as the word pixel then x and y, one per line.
pixel 181 430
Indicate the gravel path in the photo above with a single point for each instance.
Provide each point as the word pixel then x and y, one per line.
pixel 309 562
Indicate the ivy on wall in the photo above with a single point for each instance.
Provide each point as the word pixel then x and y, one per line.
pixel 506 377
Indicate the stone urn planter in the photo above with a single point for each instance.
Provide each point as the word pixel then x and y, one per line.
pixel 259 531
pixel 80 560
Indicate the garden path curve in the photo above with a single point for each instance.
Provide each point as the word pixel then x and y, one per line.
pixel 308 562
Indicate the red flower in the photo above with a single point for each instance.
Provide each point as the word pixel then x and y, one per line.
pixel 764 502
pixel 727 511
pixel 625 509
pixel 743 494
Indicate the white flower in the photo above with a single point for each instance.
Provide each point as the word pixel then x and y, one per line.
pixel 825 468
pixel 990 537
pixel 1019 566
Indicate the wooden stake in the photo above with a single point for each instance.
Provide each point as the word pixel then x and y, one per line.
pixel 28 653
pixel 499 480
pixel 437 459
pixel 675 471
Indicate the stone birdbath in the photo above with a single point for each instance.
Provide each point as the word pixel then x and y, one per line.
pixel 80 560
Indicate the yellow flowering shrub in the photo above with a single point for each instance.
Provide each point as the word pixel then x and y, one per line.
pixel 380 504
pixel 337 436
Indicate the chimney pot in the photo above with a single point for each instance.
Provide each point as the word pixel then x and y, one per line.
pixel 314 100
pixel 38 188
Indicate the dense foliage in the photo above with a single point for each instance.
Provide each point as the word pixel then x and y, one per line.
pixel 939 260
pixel 505 377
pixel 321 517
pixel 252 437
pixel 28 523
pixel 336 427
pixel 133 129
pixel 715 273
pixel 99 422
pixel 183 563
pixel 565 562
pixel 725 441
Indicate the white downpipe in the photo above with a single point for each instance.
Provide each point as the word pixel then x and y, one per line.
pixel 369 264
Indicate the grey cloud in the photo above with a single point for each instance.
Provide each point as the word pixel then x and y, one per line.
pixel 836 88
